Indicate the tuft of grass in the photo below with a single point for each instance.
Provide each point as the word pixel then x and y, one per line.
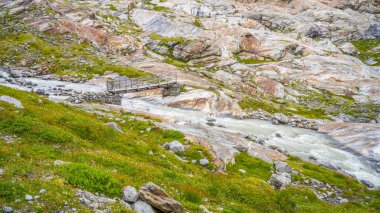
pixel 112 7
pixel 197 23
pixel 91 179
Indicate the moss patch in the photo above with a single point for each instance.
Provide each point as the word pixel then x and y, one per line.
pixel 364 47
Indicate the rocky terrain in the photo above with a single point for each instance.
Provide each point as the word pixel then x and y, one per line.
pixel 313 65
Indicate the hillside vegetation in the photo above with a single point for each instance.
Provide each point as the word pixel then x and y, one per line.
pixel 104 161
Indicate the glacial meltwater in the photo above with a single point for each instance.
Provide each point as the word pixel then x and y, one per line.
pixel 298 142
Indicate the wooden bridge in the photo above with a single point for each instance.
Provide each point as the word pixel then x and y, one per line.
pixel 127 85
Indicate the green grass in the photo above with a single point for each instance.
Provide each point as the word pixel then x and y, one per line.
pixel 112 7
pixel 167 39
pixel 55 53
pixel 253 60
pixel 314 105
pixel 90 178
pixel 197 23
pixel 364 46
pixel 103 160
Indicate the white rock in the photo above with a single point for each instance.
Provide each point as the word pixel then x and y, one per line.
pixel 12 101
pixel 348 48
pixel 204 162
pixel 42 191
pixel 114 126
pixel 282 167
pixel 174 146
pixel 130 194
pixel 142 207
pixel 242 171
pixel 7 209
pixel 59 162
pixel 28 197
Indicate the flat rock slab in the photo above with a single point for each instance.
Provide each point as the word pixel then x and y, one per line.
pixel 12 101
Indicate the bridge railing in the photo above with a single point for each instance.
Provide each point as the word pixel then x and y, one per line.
pixel 128 84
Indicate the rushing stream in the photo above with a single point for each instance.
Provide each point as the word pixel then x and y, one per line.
pixel 299 142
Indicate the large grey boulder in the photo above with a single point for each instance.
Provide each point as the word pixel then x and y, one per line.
pixel 282 167
pixel 12 101
pixel 280 180
pixel 174 146
pixel 16 73
pixel 142 207
pixel 130 194
pixel 114 126
pixel 158 198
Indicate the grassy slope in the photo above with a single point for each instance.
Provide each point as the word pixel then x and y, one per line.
pixel 104 161
pixel 58 54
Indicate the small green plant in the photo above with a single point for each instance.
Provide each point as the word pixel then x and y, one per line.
pixel 112 7
pixel 197 23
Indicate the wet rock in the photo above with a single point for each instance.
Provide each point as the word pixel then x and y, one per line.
pixel 280 180
pixel 142 207
pixel 114 126
pixel 40 92
pixel 12 101
pixel 174 146
pixel 211 120
pixel 368 183
pixel 158 198
pixel 210 124
pixel 16 73
pixel 204 162
pixel 130 194
pixel 282 167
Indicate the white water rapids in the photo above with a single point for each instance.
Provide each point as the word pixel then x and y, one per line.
pixel 298 142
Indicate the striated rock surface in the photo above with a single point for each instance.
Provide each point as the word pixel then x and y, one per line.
pixel 359 138
pixel 158 198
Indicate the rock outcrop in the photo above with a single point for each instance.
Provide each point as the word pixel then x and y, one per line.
pixel 158 198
